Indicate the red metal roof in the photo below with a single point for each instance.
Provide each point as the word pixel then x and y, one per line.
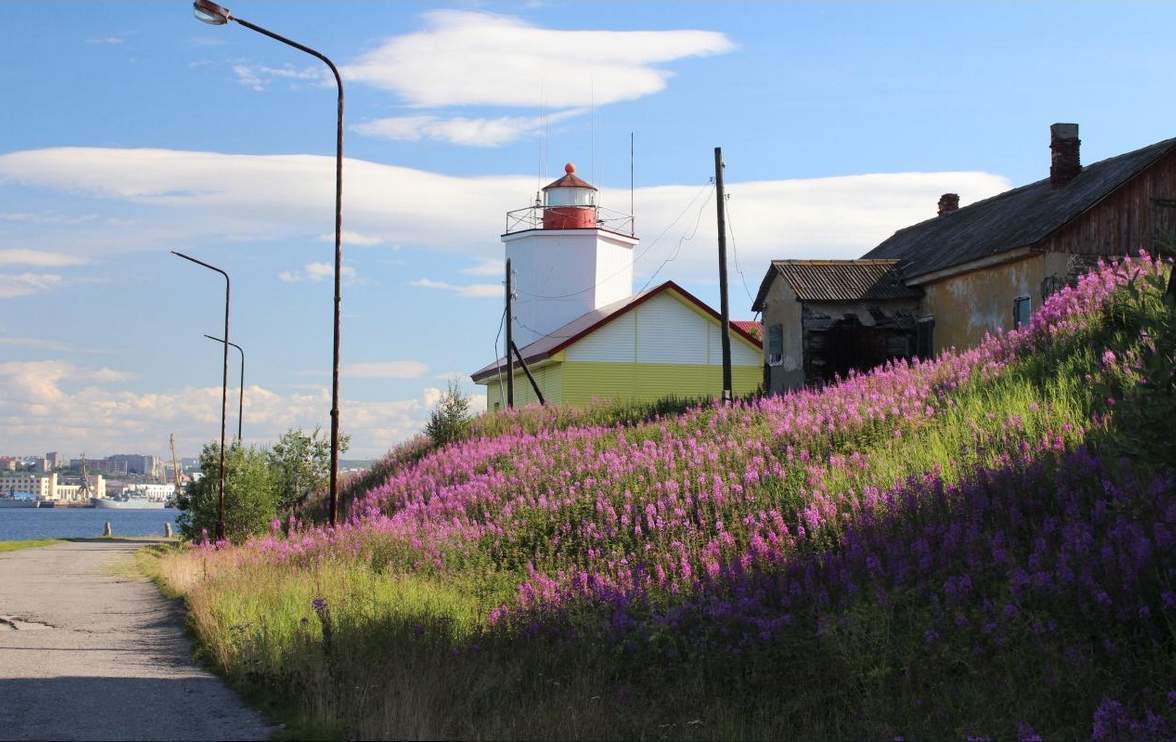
pixel 751 327
pixel 557 340
pixel 569 180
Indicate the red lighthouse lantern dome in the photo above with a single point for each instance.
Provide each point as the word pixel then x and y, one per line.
pixel 569 203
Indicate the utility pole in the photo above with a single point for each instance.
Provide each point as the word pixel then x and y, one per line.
pixel 724 308
pixel 509 341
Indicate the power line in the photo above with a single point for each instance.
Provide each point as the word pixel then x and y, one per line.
pixel 735 252
pixel 498 366
pixel 682 240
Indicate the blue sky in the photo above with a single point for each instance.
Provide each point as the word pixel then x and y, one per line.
pixel 130 130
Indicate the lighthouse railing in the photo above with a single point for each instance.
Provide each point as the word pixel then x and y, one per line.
pixel 531 217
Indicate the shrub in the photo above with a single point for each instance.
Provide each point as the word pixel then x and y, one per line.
pixel 450 417
pixel 251 495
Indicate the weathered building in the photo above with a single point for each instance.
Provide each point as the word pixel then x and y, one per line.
pixel 826 317
pixel 986 267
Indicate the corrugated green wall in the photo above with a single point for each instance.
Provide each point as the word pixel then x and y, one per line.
pixel 548 377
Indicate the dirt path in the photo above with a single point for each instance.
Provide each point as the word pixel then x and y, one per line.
pixel 85 654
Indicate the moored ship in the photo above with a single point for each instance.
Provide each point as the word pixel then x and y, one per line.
pixel 7 501
pixel 129 502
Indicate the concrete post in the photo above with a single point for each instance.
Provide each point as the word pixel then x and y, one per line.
pixel 107 532
pixel 167 531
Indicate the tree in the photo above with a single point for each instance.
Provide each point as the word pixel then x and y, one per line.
pixel 301 466
pixel 251 494
pixel 450 417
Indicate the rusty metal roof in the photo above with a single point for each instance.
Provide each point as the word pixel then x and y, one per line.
pixel 569 180
pixel 1018 218
pixel 838 280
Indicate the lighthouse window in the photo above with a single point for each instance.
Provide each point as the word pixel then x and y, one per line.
pixel 571 197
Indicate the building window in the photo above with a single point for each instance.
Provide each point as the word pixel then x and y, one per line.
pixel 1021 307
pixel 775 345
pixel 925 338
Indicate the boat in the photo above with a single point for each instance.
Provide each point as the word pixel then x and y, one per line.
pixel 7 501
pixel 133 501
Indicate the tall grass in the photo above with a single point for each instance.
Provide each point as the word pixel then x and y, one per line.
pixel 934 549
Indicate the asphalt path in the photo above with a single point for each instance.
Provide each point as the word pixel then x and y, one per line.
pixel 88 654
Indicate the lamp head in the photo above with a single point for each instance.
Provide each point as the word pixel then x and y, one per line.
pixel 211 13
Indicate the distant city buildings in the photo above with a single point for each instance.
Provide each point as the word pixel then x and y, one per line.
pixel 123 464
pixel 48 487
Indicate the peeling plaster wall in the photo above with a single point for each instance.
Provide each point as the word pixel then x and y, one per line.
pixel 968 306
pixel 782 308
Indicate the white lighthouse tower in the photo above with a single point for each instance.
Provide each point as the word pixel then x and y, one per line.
pixel 568 258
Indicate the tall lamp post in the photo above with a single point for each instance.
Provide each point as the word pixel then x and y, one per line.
pixel 213 14
pixel 220 508
pixel 241 395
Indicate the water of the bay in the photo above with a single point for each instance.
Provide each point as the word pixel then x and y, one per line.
pixel 26 523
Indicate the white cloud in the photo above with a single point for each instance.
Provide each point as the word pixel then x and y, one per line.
pixel 40 381
pixel 39 258
pixel 316 272
pixel 284 197
pixel 470 132
pixel 432 396
pixel 110 40
pixel 353 238
pixel 259 77
pixel 385 370
pixel 42 410
pixel 470 291
pixel 13 285
pixel 474 58
pixel 108 375
pixel 486 267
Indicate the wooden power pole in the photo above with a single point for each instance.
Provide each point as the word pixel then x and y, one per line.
pixel 509 319
pixel 723 305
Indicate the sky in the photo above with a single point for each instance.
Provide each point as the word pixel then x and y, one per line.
pixel 131 130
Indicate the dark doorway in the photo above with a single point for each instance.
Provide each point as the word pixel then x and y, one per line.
pixel 848 345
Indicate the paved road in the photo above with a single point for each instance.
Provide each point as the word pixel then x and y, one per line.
pixel 85 654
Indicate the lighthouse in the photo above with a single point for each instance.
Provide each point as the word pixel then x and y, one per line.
pixel 568 257
pixel 582 332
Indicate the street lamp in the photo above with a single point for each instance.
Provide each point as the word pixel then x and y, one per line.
pixel 220 508
pixel 213 14
pixel 241 397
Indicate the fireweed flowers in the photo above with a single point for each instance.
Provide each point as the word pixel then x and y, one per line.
pixel 667 504
pixel 732 527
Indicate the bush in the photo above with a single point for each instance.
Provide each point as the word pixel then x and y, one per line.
pixel 301 465
pixel 251 495
pixel 450 417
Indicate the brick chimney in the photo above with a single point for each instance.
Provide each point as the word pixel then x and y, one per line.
pixel 948 203
pixel 1064 164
